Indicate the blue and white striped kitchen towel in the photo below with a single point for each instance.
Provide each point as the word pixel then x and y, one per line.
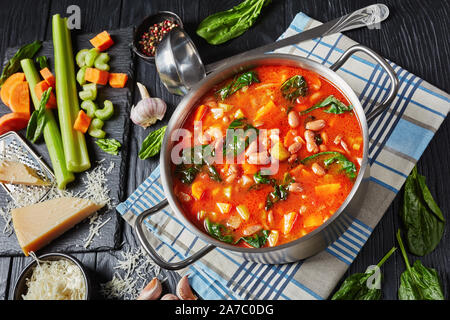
pixel 397 140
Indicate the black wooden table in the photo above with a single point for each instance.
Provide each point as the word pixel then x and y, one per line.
pixel 415 37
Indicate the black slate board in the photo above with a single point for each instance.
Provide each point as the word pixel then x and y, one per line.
pixel 117 128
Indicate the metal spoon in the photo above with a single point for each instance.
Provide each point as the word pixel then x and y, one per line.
pixel 180 67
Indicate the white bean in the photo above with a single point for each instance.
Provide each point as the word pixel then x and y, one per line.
pixel 317 169
pixel 296 188
pixel 292 158
pixel 311 144
pixel 252 229
pixel 316 125
pixel 338 139
pixel 295 147
pixel 293 119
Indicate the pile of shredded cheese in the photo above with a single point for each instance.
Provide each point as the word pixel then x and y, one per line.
pixel 56 280
pixel 131 275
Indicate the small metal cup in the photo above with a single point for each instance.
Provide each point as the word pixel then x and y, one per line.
pixel 178 62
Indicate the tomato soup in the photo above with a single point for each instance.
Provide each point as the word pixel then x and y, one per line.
pixel 291 168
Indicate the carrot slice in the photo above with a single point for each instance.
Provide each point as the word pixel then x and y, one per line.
pixel 19 101
pixel 200 112
pixel 13 122
pixel 102 41
pixel 118 80
pixel 96 76
pixel 197 189
pixel 249 168
pixel 48 77
pixel 5 93
pixel 40 88
pixel 266 111
pixel 82 122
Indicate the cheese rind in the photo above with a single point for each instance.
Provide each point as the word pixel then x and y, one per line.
pixel 39 224
pixel 18 173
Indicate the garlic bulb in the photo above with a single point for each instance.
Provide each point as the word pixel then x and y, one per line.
pixel 148 110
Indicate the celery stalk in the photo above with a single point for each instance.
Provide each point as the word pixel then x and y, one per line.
pixel 85 162
pixel 52 135
pixel 74 143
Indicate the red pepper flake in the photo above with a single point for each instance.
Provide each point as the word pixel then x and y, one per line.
pixel 154 35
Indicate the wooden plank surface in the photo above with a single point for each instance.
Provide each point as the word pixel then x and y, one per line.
pixel 415 37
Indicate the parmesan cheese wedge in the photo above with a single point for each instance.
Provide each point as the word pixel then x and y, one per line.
pixel 39 224
pixel 17 173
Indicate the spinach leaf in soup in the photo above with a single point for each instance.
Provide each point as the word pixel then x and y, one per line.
pixel 237 141
pixel 226 25
pixel 186 173
pixel 363 286
pixel 218 231
pixel 262 179
pixel 243 80
pixel 256 240
pixel 294 88
pixel 335 158
pixel 194 160
pixel 418 282
pixel 334 104
pixel 423 220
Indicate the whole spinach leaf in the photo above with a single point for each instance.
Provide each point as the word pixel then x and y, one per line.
pixel 256 240
pixel 418 282
pixel 294 87
pixel 243 80
pixel 355 287
pixel 38 118
pixel 423 220
pixel 13 65
pixel 218 231
pixel 151 146
pixel 226 25
pixel 335 106
pixel 338 158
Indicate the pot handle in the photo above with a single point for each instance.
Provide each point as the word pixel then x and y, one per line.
pixel 387 68
pixel 152 252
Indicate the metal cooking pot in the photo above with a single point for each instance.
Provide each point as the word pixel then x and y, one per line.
pixel 311 243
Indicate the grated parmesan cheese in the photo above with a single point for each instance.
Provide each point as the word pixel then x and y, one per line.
pixel 131 275
pixel 55 280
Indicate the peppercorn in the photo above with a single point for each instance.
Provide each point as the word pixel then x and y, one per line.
pixel 150 39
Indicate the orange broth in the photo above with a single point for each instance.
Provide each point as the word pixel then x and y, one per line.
pixel 301 212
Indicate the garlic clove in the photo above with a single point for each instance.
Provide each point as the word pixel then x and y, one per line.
pixel 152 291
pixel 148 111
pixel 169 296
pixel 184 291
